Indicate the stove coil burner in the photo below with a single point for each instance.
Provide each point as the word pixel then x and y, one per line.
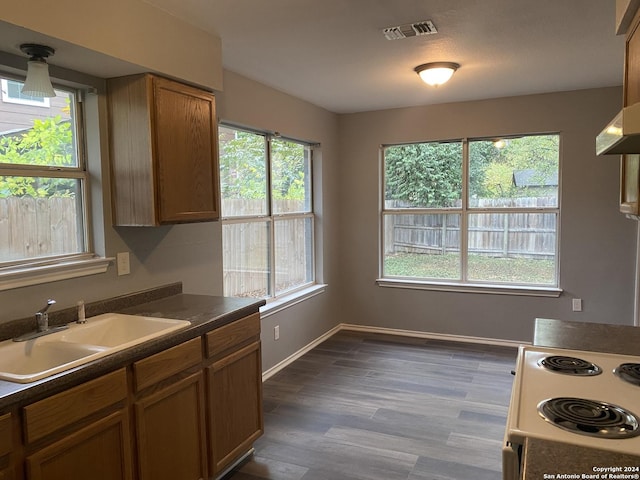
pixel 588 417
pixel 569 365
pixel 629 372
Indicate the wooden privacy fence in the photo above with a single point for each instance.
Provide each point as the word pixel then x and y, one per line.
pixel 245 248
pixel 499 234
pixel 34 227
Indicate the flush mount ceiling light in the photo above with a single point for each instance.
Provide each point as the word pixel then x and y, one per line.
pixel 38 83
pixel 436 73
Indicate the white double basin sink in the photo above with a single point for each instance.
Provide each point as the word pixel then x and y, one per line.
pixel 102 335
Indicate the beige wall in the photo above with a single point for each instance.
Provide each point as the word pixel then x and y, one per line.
pixel 192 253
pixel 249 103
pixel 129 36
pixel 94 32
pixel 597 249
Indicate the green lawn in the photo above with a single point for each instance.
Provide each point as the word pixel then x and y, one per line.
pixel 491 269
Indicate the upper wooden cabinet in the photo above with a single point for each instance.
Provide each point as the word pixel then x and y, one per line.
pixel 164 152
pixel 632 63
pixel 630 163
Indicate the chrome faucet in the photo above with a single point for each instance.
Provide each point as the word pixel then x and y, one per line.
pixel 43 317
pixel 43 325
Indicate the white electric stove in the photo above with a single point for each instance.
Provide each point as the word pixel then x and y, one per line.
pixel 589 399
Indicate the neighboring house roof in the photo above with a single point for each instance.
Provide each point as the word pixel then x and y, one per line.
pixel 14 132
pixel 534 178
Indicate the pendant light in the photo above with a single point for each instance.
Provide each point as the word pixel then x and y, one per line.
pixel 436 73
pixel 38 83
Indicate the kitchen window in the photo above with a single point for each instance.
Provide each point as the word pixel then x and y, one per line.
pixel 43 190
pixel 478 213
pixel 268 220
pixel 12 93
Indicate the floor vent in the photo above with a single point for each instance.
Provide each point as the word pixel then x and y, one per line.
pixel 410 30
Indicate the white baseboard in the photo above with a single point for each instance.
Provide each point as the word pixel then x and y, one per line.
pixel 434 336
pixel 387 331
pixel 290 359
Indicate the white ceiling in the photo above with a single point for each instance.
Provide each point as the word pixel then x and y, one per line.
pixel 332 52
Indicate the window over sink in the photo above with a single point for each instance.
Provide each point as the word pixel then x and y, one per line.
pixel 43 188
pixel 477 213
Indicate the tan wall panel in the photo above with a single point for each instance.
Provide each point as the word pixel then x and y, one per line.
pixel 128 30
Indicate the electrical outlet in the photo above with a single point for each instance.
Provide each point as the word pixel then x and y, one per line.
pixel 276 332
pixel 122 260
pixel 576 304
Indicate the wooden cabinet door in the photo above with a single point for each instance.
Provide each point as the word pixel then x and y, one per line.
pixel 163 139
pixel 629 164
pixel 186 153
pixel 6 446
pixel 100 451
pixel 170 434
pixel 632 64
pixel 235 403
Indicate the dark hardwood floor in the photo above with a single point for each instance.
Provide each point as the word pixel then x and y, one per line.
pixel 368 406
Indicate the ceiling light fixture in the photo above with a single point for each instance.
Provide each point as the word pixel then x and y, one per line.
pixel 436 73
pixel 38 83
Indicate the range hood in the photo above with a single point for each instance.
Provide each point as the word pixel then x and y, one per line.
pixel 622 135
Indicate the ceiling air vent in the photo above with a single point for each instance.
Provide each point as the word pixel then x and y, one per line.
pixel 410 30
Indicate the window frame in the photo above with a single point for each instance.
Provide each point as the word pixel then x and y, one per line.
pixel 4 84
pixel 465 210
pixel 271 218
pixel 33 271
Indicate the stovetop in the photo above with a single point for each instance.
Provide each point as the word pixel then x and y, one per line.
pixel 534 385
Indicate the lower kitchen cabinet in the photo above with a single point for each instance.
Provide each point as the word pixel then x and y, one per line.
pixel 170 431
pixel 186 413
pixel 6 447
pixel 169 410
pixel 80 433
pixel 234 391
pixel 100 451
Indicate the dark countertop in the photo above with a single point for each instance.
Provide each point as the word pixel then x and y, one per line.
pixel 204 312
pixel 594 337
pixel 553 458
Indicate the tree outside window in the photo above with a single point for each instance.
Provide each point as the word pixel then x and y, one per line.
pixel 41 180
pixel 268 222
pixel 472 211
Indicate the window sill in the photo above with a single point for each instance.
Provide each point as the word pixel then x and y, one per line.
pixel 287 301
pixel 24 276
pixel 466 288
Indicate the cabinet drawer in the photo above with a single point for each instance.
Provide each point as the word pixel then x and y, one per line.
pixel 235 334
pixel 99 451
pixel 165 364
pixel 6 439
pixel 53 413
